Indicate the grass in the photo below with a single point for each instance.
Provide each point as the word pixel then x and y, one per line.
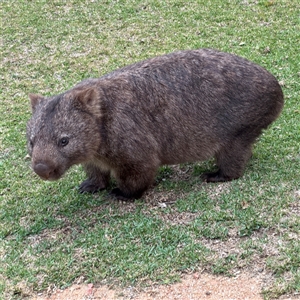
pixel 51 235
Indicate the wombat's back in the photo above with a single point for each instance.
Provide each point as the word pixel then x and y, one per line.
pixel 187 105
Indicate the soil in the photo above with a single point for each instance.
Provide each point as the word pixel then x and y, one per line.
pixel 192 287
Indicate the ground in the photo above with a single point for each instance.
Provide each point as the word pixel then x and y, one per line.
pixel 246 284
pixel 194 286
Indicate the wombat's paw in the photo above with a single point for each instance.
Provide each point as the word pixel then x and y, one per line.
pixel 89 186
pixel 119 195
pixel 215 177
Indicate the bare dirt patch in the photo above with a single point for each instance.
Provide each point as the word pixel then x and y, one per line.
pixel 192 287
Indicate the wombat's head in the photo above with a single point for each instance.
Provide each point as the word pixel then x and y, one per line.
pixel 63 131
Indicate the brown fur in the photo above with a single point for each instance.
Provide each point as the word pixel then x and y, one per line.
pixel 182 107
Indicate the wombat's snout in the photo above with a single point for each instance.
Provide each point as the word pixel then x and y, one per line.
pixel 45 171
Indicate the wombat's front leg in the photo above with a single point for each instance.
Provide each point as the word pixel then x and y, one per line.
pixel 133 181
pixel 97 179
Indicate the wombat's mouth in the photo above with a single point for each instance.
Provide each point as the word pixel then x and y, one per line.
pixel 47 172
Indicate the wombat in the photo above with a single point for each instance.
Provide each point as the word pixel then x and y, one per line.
pixel 181 107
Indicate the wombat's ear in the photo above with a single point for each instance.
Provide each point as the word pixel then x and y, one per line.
pixel 88 98
pixel 35 100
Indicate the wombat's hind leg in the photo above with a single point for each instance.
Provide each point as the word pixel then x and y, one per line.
pixel 97 179
pixel 231 161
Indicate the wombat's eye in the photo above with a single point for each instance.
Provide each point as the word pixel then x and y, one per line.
pixel 31 144
pixel 64 141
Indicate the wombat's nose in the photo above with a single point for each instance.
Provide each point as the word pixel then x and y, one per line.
pixel 43 170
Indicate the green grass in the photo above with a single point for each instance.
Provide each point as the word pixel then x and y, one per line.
pixel 51 235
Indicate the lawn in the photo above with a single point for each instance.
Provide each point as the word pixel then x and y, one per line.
pixel 50 235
